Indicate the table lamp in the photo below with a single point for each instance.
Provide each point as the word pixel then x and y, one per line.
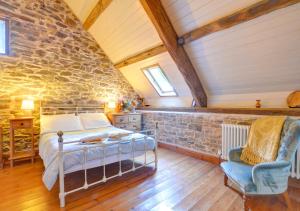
pixel 27 106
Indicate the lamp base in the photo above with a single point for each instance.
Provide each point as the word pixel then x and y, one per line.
pixel 27 113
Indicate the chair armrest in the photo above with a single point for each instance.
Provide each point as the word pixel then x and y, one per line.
pixel 235 154
pixel 271 177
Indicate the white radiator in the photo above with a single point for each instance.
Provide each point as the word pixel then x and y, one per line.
pixel 234 136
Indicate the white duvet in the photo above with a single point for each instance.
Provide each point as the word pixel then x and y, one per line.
pixel 48 150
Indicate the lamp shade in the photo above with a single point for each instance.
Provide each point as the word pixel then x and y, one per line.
pixel 111 105
pixel 27 105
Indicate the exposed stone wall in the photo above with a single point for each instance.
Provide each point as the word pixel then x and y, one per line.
pixel 54 60
pixel 197 131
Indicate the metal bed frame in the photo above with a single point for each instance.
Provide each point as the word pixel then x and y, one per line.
pixel 121 156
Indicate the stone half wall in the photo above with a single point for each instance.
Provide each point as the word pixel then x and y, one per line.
pixel 54 60
pixel 196 131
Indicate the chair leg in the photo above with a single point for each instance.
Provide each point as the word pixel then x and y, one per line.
pixel 246 203
pixel 225 180
pixel 287 200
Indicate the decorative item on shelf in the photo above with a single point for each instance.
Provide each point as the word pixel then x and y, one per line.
pixel 129 105
pixel 140 102
pixel 293 99
pixel 133 106
pixel 126 106
pixel 28 107
pixel 119 106
pixel 258 104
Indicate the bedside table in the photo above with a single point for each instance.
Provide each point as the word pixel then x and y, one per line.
pixel 15 124
pixel 126 121
pixel 1 146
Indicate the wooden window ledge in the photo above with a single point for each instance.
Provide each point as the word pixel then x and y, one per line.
pixel 251 111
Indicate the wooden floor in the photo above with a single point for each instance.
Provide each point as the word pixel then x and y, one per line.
pixel 180 183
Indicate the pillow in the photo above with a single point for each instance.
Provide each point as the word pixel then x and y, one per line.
pixel 94 120
pixel 63 122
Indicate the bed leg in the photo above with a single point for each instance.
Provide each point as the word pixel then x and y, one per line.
pixel 61 170
pixel 156 161
pixel 62 200
pixel 155 151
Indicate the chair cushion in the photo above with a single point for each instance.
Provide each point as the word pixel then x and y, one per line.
pixel 240 174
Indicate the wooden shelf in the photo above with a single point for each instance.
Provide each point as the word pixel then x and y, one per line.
pixel 252 111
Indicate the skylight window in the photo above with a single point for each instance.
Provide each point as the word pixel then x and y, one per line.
pixel 159 81
pixel 3 37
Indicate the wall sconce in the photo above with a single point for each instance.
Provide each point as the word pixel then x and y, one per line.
pixel 27 106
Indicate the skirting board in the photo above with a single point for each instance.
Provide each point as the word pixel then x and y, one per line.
pixel 198 155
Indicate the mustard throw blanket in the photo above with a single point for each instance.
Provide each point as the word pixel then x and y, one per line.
pixel 263 140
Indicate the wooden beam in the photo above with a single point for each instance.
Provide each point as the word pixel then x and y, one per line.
pixel 98 9
pixel 159 18
pixel 142 56
pixel 261 8
pixel 251 111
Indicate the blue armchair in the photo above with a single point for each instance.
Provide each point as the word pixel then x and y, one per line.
pixel 265 178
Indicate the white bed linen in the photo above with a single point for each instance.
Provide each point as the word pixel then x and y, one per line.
pixel 48 150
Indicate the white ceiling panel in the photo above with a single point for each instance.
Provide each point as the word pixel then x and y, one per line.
pixel 124 29
pixel 82 8
pixel 187 15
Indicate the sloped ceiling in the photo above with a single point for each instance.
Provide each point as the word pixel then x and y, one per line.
pixel 124 29
pixel 256 59
pixel 82 8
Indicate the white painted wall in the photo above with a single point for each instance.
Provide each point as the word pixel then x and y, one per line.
pixel 140 83
pixel 268 100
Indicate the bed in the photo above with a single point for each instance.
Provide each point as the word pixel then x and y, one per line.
pixel 64 146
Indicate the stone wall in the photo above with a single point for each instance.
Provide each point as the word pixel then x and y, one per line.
pixel 197 131
pixel 53 60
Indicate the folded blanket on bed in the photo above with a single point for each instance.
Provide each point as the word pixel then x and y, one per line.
pixel 99 138
pixel 118 136
pixel 263 140
pixel 92 139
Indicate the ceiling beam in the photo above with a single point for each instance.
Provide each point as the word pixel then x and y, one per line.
pixel 160 19
pixel 260 8
pixel 141 56
pixel 95 13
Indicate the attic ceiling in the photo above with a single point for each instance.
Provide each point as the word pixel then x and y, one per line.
pixel 250 59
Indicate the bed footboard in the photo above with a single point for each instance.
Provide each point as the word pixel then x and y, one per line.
pixel 85 149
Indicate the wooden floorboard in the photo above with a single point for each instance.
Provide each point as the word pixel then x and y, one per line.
pixel 180 183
